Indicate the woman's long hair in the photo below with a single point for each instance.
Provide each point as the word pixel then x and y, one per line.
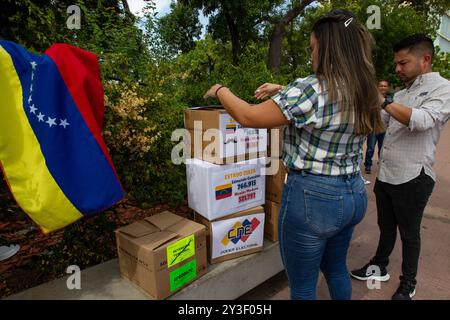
pixel 345 65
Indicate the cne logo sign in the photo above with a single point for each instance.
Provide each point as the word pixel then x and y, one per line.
pixel 240 231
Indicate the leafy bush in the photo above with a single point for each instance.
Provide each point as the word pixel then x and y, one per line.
pixel 88 242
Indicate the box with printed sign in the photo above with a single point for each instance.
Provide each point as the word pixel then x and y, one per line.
pixel 235 235
pixel 229 142
pixel 215 191
pixel 162 253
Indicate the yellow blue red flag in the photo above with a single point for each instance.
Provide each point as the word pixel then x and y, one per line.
pixel 51 148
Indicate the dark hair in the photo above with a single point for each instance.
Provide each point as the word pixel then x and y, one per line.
pixel 345 67
pixel 416 43
pixel 338 12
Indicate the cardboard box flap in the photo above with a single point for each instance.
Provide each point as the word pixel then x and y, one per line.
pixel 212 107
pixel 164 220
pixel 186 228
pixel 154 241
pixel 138 229
pixel 255 210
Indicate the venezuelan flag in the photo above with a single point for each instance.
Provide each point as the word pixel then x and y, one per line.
pixel 51 149
pixel 224 191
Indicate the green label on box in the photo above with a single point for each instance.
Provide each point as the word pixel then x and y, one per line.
pixel 182 275
pixel 180 250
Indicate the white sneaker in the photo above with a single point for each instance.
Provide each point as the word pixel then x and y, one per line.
pixel 7 252
pixel 366 181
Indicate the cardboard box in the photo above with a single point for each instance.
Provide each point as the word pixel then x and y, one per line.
pixel 275 142
pixel 229 142
pixel 162 253
pixel 272 210
pixel 215 191
pixel 275 182
pixel 233 236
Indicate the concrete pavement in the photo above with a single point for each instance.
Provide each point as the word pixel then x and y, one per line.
pixel 434 264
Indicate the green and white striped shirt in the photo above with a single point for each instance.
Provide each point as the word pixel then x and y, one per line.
pixel 316 140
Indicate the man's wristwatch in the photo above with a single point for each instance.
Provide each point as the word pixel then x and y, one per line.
pixel 387 101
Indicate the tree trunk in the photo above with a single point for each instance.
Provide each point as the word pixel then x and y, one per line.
pixel 276 40
pixel 235 38
pixel 126 7
pixel 292 48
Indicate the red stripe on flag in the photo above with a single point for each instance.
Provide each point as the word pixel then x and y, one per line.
pixel 81 74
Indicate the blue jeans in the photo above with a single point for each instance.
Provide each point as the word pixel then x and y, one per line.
pixel 372 140
pixel 317 217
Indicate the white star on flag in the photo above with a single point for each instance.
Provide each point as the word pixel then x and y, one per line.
pixel 33 109
pixel 40 117
pixel 32 76
pixel 51 122
pixel 29 99
pixel 64 123
pixel 33 65
pixel 31 88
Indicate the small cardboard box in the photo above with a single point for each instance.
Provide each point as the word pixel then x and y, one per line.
pixel 275 182
pixel 162 253
pixel 233 236
pixel 272 210
pixel 215 191
pixel 228 143
pixel 275 142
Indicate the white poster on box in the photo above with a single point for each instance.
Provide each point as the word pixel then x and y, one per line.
pixel 238 141
pixel 237 234
pixel 237 187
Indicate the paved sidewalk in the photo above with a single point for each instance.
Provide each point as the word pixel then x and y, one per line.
pixel 434 265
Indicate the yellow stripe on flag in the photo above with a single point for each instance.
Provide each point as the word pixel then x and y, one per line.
pixel 223 187
pixel 23 163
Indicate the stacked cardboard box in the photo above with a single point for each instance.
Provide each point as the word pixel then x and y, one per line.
pixel 275 142
pixel 226 182
pixel 162 254
pixel 234 235
pixel 217 138
pixel 274 191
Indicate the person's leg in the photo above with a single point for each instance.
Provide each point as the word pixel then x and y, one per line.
pixel 334 265
pixel 409 210
pixel 334 261
pixel 371 140
pixel 314 209
pixel 380 140
pixel 301 251
pixel 387 223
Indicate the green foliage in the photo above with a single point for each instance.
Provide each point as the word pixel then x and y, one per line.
pixel 238 22
pixel 88 242
pixel 180 28
pixel 397 22
pixel 441 63
pixel 209 63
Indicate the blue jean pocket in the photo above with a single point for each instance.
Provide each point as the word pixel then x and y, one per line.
pixel 324 212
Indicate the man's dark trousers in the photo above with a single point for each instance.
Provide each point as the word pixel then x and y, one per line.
pixel 401 206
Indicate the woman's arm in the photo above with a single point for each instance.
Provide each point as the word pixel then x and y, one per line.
pixel 263 115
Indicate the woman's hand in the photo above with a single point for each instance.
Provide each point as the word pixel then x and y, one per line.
pixel 267 90
pixel 211 93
